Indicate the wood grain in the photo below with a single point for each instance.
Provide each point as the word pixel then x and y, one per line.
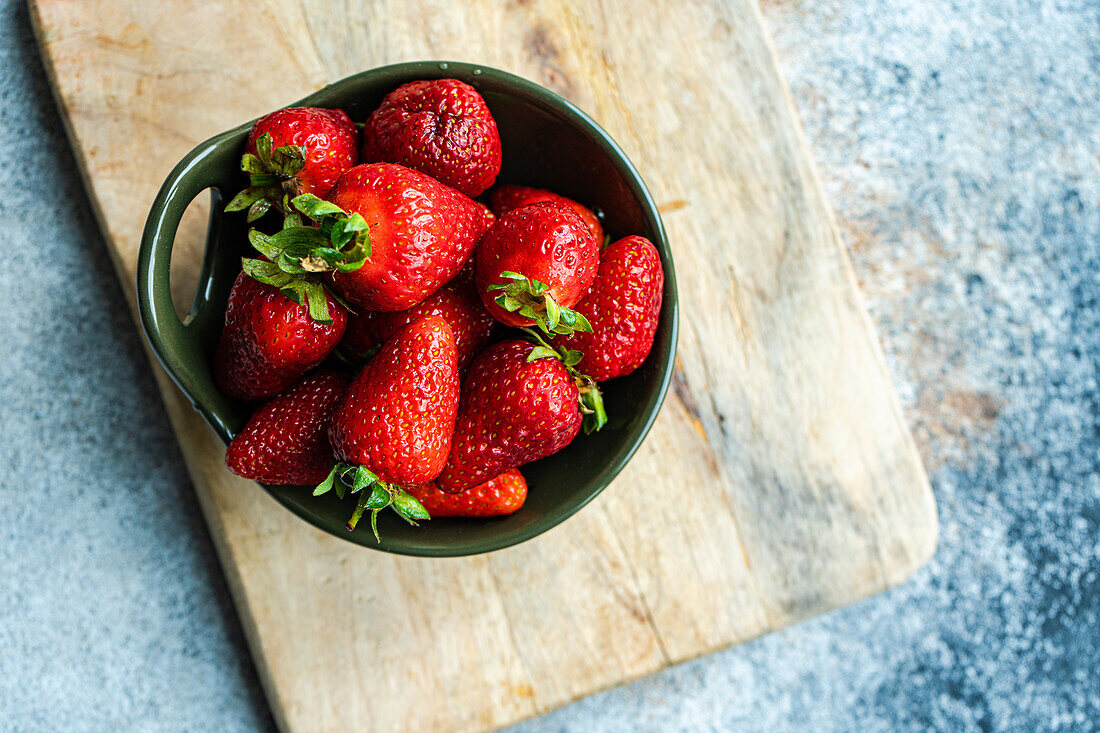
pixel 780 480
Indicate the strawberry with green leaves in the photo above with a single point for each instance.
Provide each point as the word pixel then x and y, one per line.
pixel 439 126
pixel 294 151
pixel 505 198
pixel 270 341
pixel 421 233
pixel 534 264
pixel 286 439
pixel 393 427
pixel 519 403
pixel 623 305
pixel 497 497
pixel 281 320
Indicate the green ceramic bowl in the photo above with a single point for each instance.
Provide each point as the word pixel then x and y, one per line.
pixel 547 143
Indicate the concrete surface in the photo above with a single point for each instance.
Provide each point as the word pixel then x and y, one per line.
pixel 960 144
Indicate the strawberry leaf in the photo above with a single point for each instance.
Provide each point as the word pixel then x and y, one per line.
pixel 364 477
pixel 318 303
pixel 528 311
pixel 508 303
pixel 257 210
pixel 294 292
pixel 266 272
pixel 251 164
pixel 262 244
pixel 289 159
pixel 303 238
pixel 244 199
pixel 263 149
pixel 572 357
pixel 379 497
pixel 542 352
pixel 408 507
pixel 325 486
pixel 264 181
pixel 553 312
pixel 316 208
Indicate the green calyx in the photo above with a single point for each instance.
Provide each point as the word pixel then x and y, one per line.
pixel 532 299
pixel 272 178
pixel 299 256
pixel 591 400
pixel 374 495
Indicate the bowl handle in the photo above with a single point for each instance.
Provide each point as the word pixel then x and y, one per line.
pixel 179 344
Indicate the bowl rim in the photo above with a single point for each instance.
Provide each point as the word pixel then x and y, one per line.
pixel 180 186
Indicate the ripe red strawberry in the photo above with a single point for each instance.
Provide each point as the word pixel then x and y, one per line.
pixel 269 341
pixel 439 126
pixel 534 264
pixel 497 497
pixel 398 415
pixel 421 233
pixel 328 135
pixel 623 306
pixel 285 440
pixel 456 302
pixel 507 197
pixel 299 150
pixel 513 411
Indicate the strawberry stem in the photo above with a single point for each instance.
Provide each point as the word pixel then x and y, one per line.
pixel 272 179
pixel 356 479
pixel 590 398
pixel 532 299
pixel 298 258
pixel 595 416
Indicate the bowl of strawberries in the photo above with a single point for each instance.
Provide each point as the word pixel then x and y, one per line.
pixel 436 313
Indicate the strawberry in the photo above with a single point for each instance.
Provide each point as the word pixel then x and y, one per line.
pixel 293 151
pixel 496 497
pixel 507 197
pixel 285 440
pixel 487 215
pixel 623 306
pixel 269 341
pixel 534 264
pixel 513 411
pixel 394 424
pixel 439 126
pixel 421 233
pixel 456 302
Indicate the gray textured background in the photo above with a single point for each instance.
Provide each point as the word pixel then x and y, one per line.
pixel 960 144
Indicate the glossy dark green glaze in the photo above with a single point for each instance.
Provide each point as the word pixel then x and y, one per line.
pixel 547 143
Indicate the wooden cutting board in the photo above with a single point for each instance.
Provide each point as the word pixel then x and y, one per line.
pixel 780 480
